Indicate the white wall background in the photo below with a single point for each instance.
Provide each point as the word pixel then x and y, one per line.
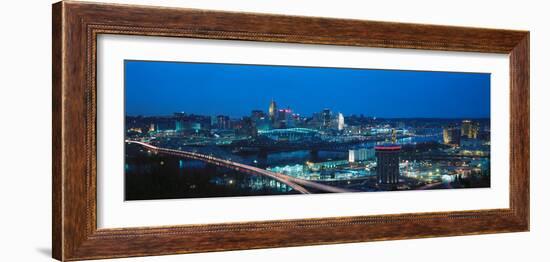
pixel 25 158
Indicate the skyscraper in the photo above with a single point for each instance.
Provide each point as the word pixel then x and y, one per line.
pixel 451 136
pixel 272 110
pixel 340 122
pixel 179 122
pixel 284 118
pixel 387 163
pixel 179 125
pixel 469 129
pixel 326 116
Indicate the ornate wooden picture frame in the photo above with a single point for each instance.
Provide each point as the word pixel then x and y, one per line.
pixel 76 26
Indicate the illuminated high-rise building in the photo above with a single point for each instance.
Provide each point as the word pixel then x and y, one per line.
pixel 179 121
pixel 469 129
pixel 474 130
pixel 272 110
pixel 284 118
pixel 451 136
pixel 464 129
pixel 340 122
pixel 387 163
pixel 179 125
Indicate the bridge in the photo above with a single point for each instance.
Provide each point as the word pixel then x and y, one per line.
pixel 300 185
pixel 312 146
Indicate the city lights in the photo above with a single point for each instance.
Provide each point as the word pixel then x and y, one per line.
pixel 386 155
pixel 279 134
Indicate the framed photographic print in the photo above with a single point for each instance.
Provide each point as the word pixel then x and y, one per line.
pixel 182 130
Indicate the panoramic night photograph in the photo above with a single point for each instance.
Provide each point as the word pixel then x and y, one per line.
pixel 201 130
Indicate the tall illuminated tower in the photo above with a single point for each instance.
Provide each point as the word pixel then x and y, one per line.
pixel 451 136
pixel 469 129
pixel 340 122
pixel 272 110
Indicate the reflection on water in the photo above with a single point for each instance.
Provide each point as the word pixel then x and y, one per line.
pixel 291 158
pixel 151 176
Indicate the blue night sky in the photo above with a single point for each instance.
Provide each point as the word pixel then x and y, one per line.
pixel 162 88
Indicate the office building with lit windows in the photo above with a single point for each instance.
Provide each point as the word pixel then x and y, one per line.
pixel 451 136
pixel 387 163
pixel 272 110
pixel 469 129
pixel 361 154
pixel 341 123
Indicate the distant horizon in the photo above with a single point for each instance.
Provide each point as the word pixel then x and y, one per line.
pixel 367 116
pixel 158 89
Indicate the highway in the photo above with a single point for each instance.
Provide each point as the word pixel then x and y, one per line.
pixel 297 184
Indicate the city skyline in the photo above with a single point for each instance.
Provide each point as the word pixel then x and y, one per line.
pixel 345 115
pixel 197 130
pixel 152 90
